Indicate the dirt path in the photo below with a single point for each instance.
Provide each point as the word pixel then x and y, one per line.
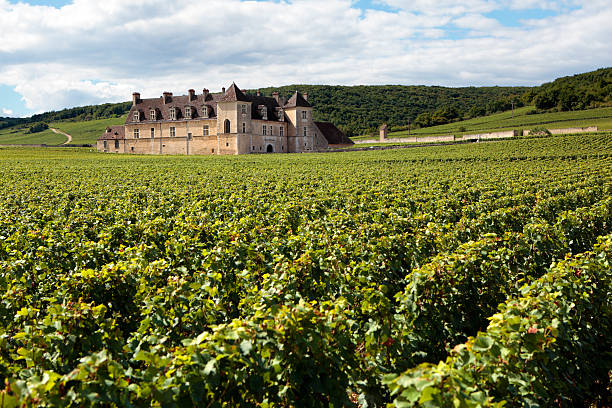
pixel 59 132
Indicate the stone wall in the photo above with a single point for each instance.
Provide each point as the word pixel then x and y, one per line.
pixel 493 135
pixel 567 131
pixel 412 139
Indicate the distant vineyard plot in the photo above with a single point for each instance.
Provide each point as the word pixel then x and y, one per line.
pixel 521 119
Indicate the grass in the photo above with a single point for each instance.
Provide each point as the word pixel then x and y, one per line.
pixel 17 135
pixel 601 117
pixel 85 132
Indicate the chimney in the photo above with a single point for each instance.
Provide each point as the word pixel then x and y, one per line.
pixel 167 96
pixel 258 92
pixel 223 89
pixel 205 92
pixel 191 94
pixel 135 98
pixel 275 96
pixel 305 94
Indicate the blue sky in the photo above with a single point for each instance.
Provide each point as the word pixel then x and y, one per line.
pixel 69 53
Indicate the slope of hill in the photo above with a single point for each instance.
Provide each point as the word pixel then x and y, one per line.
pixel 82 132
pixel 522 118
pixel 581 91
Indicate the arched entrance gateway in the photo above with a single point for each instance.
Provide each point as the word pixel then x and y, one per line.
pixel 270 149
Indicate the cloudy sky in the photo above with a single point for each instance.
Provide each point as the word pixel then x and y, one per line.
pixel 63 53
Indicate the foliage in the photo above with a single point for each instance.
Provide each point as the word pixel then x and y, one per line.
pixel 528 354
pixel 582 91
pixel 38 127
pixel 303 280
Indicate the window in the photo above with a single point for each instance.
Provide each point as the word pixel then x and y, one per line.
pixel 105 144
pixel 188 112
pixel 136 116
pixel 116 144
pixel 152 133
pixel 152 114
pixel 271 133
pixel 263 130
pixel 205 111
pixel 304 114
pixel 243 109
pixel 243 127
pixel 281 131
pixel 305 131
pixel 227 126
pixel 226 144
pixel 136 133
pixel 281 116
pixel 205 130
pixel 172 113
pixel 189 136
pixel 264 113
pixel 212 150
pixel 172 131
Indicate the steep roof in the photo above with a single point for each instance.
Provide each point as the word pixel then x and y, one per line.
pixel 234 94
pixel 162 110
pixel 113 133
pixel 333 134
pixel 297 100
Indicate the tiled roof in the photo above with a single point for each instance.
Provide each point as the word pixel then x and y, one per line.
pixel 297 100
pixel 113 133
pixel 162 110
pixel 234 94
pixel 333 134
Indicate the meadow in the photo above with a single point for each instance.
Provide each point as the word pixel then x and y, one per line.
pixel 462 275
pixel 82 132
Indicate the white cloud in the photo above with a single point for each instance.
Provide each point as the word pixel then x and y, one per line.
pixel 7 112
pixel 93 52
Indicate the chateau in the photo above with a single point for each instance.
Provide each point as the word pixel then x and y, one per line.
pixel 230 122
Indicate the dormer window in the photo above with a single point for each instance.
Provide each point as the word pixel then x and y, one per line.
pixel 264 113
pixel 188 112
pixel 137 116
pixel 152 114
pixel 172 113
pixel 281 116
pixel 205 111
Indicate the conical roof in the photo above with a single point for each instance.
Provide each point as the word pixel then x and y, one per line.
pixel 234 94
pixel 297 100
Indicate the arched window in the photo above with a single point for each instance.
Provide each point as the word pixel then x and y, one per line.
pixel 226 126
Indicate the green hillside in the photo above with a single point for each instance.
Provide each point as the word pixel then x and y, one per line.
pixel 522 118
pixel 82 132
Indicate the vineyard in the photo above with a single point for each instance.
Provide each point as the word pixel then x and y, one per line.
pixel 459 276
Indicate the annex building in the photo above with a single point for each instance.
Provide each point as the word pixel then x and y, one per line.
pixel 230 122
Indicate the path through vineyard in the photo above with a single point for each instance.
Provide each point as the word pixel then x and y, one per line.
pixel 59 132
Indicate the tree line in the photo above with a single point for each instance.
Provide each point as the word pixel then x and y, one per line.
pixel 363 108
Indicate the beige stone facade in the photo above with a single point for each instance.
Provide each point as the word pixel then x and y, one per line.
pixel 230 122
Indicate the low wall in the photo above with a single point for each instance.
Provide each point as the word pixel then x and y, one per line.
pixel 567 131
pixel 494 135
pixel 412 139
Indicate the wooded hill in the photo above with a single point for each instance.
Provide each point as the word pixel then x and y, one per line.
pixel 362 109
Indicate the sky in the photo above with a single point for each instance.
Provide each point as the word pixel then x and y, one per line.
pixel 56 54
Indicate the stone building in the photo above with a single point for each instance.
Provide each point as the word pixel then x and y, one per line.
pixel 230 122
